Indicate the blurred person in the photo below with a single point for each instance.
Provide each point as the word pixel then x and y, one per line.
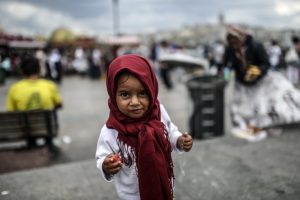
pixel 153 51
pixel 80 62
pixel 32 92
pixel 262 99
pixel 66 62
pixel 95 63
pixel 141 50
pixel 218 53
pixel 208 53
pixel 274 53
pixel 42 58
pixel 5 67
pixel 124 49
pixel 134 147
pixel 292 59
pixel 163 49
pixel 54 67
pixel 14 63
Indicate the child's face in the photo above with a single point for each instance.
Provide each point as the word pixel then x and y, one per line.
pixel 131 96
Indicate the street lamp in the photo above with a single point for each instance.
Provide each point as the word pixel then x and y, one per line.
pixel 116 16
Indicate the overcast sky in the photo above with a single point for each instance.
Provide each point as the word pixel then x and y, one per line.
pixel 95 17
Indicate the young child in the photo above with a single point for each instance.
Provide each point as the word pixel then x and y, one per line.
pixel 134 146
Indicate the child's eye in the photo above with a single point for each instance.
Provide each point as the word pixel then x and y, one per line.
pixel 124 94
pixel 143 93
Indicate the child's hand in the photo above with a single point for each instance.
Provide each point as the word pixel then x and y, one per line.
pixel 185 142
pixel 112 164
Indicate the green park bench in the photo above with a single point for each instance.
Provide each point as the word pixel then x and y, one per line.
pixel 28 126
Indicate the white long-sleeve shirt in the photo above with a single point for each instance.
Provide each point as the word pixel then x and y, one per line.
pixel 126 181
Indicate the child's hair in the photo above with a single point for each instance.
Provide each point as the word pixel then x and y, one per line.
pixel 30 65
pixel 122 73
pixel 127 73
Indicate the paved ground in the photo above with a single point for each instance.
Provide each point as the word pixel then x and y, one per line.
pixel 220 168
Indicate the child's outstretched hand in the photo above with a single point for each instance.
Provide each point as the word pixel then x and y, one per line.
pixel 185 142
pixel 112 164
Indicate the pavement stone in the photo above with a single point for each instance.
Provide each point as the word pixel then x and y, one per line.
pixel 220 168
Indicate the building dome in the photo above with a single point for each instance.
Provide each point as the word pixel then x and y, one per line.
pixel 62 35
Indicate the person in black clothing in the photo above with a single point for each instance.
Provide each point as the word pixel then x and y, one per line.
pixel 164 49
pixel 246 57
pixel 262 99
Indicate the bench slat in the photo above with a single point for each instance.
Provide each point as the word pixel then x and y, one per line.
pixel 21 125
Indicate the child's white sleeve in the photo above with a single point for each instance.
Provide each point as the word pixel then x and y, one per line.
pixel 105 144
pixel 172 129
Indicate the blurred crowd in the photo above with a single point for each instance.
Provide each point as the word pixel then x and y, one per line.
pixel 56 62
pixel 93 62
pixel 260 68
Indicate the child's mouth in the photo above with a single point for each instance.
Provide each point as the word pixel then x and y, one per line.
pixel 137 111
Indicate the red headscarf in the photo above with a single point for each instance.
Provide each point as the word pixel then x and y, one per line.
pixel 142 140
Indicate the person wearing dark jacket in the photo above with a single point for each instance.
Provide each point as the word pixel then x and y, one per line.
pixel 262 98
pixel 246 57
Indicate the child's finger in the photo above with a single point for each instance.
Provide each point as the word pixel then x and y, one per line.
pixel 113 161
pixel 187 138
pixel 187 148
pixel 187 144
pixel 115 170
pixel 114 165
pixel 185 134
pixel 108 159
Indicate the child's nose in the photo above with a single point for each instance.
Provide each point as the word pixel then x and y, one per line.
pixel 134 100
